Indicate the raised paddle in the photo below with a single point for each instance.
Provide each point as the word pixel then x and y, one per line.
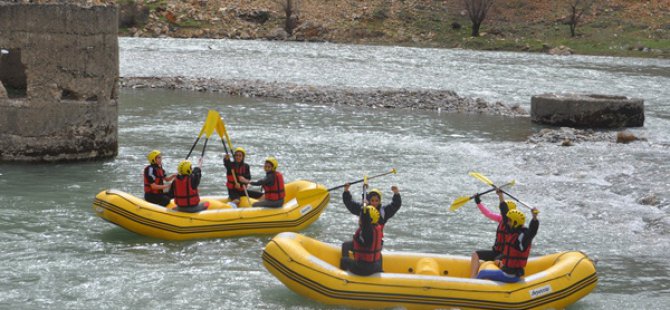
pixel 460 201
pixel 486 180
pixel 304 194
pixel 221 131
pixel 364 179
pixel 207 129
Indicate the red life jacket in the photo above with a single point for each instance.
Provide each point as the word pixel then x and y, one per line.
pixel 184 195
pixel 372 254
pixel 159 179
pixel 513 258
pixel 240 170
pixel 275 191
pixel 500 237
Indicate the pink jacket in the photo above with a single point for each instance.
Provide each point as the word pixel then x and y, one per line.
pixel 496 217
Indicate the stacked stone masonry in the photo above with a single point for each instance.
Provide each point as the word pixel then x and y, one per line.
pixel 59 71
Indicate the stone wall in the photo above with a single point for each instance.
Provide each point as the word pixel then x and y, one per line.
pixel 587 111
pixel 59 68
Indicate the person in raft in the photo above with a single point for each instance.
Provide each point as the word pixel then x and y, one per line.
pixel 155 178
pixel 367 245
pixel 185 188
pixel 241 170
pixel 496 250
pixel 374 198
pixel 516 246
pixel 273 186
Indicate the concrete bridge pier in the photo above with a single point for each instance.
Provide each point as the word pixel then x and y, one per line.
pixel 59 69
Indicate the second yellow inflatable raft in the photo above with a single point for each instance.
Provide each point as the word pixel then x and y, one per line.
pixel 425 281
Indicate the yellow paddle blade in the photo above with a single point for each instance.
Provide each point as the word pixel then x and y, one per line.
pixel 459 202
pixel 481 177
pixel 224 131
pixel 210 123
pixel 394 171
pixel 220 128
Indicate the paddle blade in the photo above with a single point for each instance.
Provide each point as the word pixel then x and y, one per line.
pixel 220 128
pixel 482 178
pixel 211 122
pixel 304 196
pixel 459 202
pixel 394 171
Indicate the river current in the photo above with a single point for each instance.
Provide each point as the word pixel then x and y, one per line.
pixel 58 254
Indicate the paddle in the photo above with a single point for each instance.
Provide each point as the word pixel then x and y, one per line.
pixel 364 179
pixel 486 180
pixel 207 128
pixel 304 194
pixel 221 131
pixel 460 201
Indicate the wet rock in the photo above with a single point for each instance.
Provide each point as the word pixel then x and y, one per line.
pixel 625 137
pixel 650 200
pixel 566 136
pixel 587 111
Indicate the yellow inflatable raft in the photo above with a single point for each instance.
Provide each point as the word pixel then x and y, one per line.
pixel 425 281
pixel 303 205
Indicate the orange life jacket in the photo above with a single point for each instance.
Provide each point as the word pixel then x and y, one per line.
pixel 159 179
pixel 240 170
pixel 372 254
pixel 500 237
pixel 513 258
pixel 184 195
pixel 275 191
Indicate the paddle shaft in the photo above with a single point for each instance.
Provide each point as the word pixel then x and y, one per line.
pixel 361 180
pixel 193 147
pixel 516 199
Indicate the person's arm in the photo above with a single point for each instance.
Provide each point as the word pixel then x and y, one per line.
pixel 488 213
pixel 170 177
pixel 227 163
pixel 151 176
pixel 393 207
pixel 196 175
pixel 352 206
pixel 531 231
pixel 268 180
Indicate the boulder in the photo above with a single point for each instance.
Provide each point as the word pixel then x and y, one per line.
pixel 587 111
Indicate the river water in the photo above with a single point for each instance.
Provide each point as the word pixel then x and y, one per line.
pixel 59 254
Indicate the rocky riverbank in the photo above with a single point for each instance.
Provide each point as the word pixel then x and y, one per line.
pixel 423 99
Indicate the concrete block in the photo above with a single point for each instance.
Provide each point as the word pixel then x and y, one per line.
pixel 587 111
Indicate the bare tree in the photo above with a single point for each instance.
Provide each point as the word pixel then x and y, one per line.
pixel 291 12
pixel 477 10
pixel 577 9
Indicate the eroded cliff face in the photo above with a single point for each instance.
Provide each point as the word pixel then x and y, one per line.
pixel 59 69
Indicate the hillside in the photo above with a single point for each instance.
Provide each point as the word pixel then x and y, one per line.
pixel 610 27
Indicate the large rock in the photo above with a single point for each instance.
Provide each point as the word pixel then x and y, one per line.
pixel 587 111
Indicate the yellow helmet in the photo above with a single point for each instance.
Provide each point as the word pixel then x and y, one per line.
pixel 152 156
pixel 241 150
pixel 272 161
pixel 184 167
pixel 511 204
pixel 372 213
pixel 375 191
pixel 517 217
